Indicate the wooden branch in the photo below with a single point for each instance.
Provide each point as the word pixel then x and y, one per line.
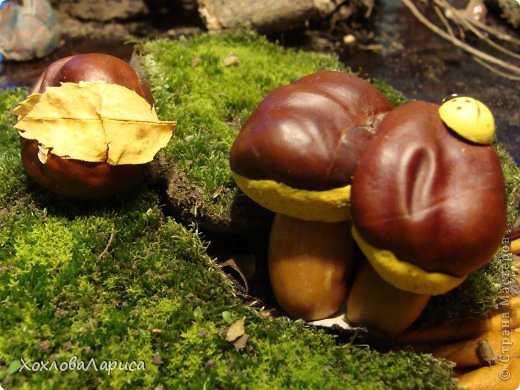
pixel 496 71
pixel 443 19
pixel 490 42
pixel 267 15
pixel 500 35
pixel 107 247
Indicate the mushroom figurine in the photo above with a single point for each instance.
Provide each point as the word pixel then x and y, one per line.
pixel 89 127
pixel 295 155
pixel 428 207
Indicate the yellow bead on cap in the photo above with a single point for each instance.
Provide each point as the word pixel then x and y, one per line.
pixel 469 118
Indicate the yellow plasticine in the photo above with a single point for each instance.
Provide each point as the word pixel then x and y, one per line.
pixel 470 118
pixel 95 122
pixel 325 206
pixel 404 275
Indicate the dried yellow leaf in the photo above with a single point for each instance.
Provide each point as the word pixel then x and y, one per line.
pixel 241 342
pixel 236 330
pixel 95 122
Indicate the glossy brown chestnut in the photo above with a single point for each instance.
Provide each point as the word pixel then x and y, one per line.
pixel 431 198
pixel 75 178
pixel 309 134
pixel 78 179
pixel 92 67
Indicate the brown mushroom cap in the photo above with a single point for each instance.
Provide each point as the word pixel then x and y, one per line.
pixel 428 196
pixel 310 134
pixel 75 178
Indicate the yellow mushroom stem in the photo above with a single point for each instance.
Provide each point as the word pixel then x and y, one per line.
pixel 514 248
pixel 309 266
pixel 453 331
pixel 376 304
pixel 470 352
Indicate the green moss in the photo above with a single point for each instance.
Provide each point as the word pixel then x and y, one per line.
pixel 12 179
pixel 396 97
pixel 119 281
pixel 512 179
pixel 153 295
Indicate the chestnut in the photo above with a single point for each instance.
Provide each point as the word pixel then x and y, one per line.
pixel 69 173
pixel 297 151
pixel 295 155
pixel 428 207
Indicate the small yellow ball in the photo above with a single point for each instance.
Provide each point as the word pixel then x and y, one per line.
pixel 469 118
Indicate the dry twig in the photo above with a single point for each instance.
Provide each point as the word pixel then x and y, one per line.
pixel 107 247
pixel 503 67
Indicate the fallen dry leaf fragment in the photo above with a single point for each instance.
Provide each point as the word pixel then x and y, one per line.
pixel 94 122
pixel 231 59
pixel 487 348
pixel 157 360
pixel 500 376
pixel 236 330
pixel 507 317
pixel 515 247
pixel 241 342
pixel 242 267
pixel 195 61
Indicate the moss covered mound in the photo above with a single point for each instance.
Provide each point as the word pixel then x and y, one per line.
pixel 129 298
pixel 210 84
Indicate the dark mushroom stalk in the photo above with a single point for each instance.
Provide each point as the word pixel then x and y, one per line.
pixel 296 155
pixel 428 207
